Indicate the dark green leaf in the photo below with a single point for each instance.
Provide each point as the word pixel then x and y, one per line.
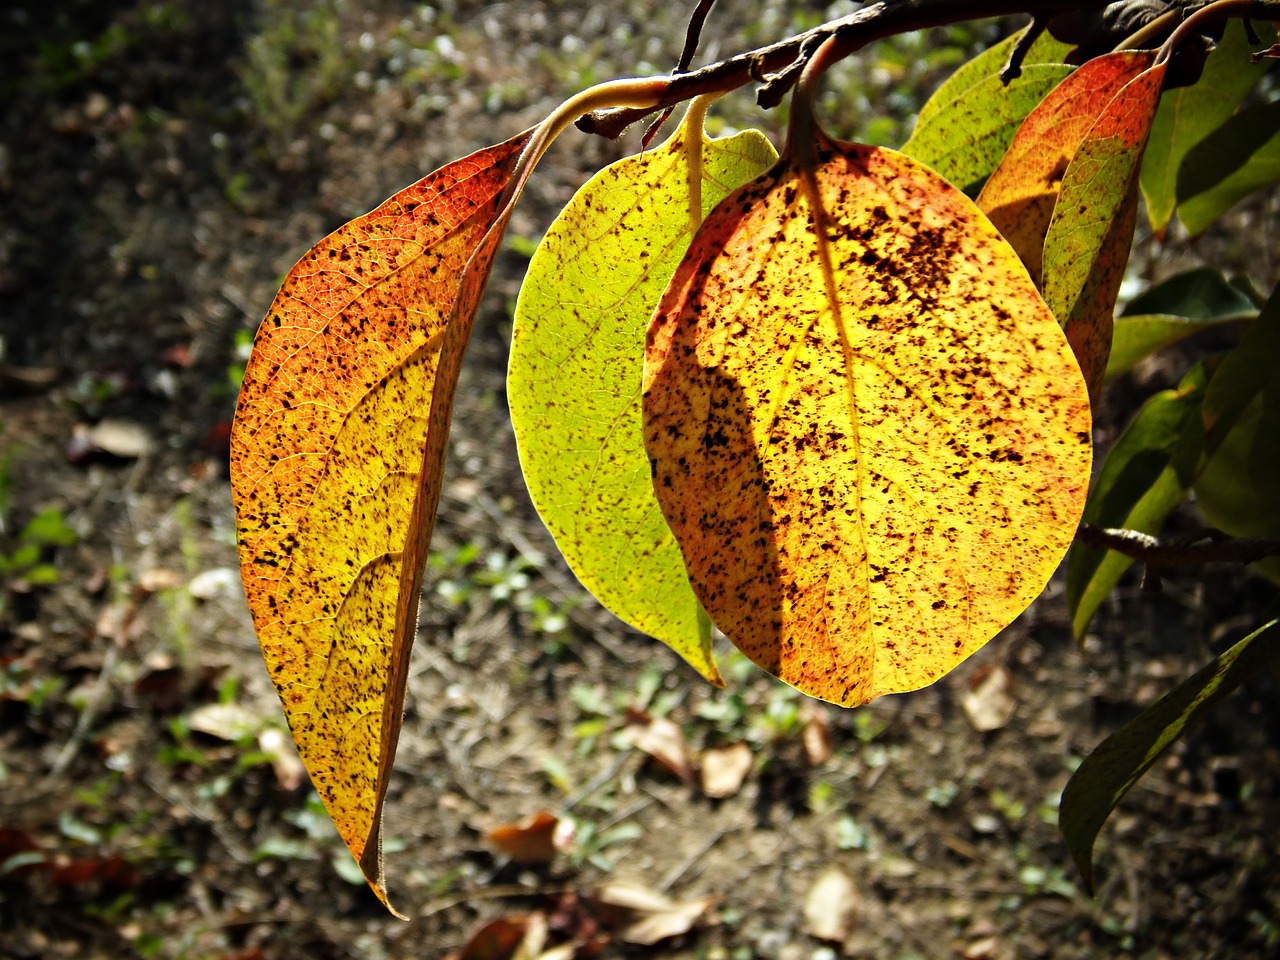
pixel 1238 491
pixel 1187 115
pixel 1147 473
pixel 1245 372
pixel 1180 306
pixel 1108 773
pixel 1200 294
pixel 1242 156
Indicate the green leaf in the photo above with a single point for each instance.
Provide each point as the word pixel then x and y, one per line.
pixel 1146 474
pixel 1180 306
pixel 1188 115
pixel 1238 491
pixel 1252 366
pixel 1108 773
pixel 574 379
pixel 965 127
pixel 1242 156
pixel 1200 294
pixel 1133 338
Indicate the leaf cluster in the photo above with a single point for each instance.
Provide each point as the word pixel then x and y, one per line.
pixel 819 399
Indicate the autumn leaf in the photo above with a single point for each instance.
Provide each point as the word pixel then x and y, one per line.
pixel 1086 247
pixel 577 349
pixel 867 430
pixel 1021 193
pixel 336 460
pixel 969 122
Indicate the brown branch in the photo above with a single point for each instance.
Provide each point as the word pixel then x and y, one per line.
pixel 1211 547
pixel 873 22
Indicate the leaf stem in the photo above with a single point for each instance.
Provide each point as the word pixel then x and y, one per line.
pixel 1219 10
pixel 637 93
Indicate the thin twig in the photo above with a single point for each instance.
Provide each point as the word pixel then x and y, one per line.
pixel 1012 68
pixel 691 38
pixel 872 22
pixel 1211 547
pixel 683 867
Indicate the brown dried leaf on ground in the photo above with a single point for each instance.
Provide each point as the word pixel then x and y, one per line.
pixel 663 740
pixel 504 938
pixel 831 907
pixel 989 701
pixel 816 733
pixel 724 769
pixel 533 841
pixel 639 915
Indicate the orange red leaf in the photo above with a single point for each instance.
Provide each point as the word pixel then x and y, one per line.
pixel 336 459
pixel 1022 192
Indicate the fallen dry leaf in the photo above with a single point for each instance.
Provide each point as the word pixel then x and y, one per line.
pixel 534 840
pixel 285 762
pixel 226 721
pixel 831 907
pixel 217 582
pixel 989 702
pixel 639 915
pixel 724 769
pixel 159 578
pixel 663 740
pixel 816 733
pixel 119 438
pixel 497 939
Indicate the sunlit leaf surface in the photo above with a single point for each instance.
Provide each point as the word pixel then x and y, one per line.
pixel 1086 247
pixel 1021 194
pixel 336 460
pixel 867 431
pixel 577 353
pixel 969 122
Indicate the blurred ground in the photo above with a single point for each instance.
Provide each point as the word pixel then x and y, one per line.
pixel 162 164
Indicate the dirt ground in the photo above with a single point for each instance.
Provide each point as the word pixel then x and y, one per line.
pixel 162 164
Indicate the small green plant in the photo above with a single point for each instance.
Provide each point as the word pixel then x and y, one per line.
pixel 295 63
pixel 27 562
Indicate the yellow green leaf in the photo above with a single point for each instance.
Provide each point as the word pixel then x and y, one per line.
pixel 969 122
pixel 577 352
pixel 337 453
pixel 866 429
